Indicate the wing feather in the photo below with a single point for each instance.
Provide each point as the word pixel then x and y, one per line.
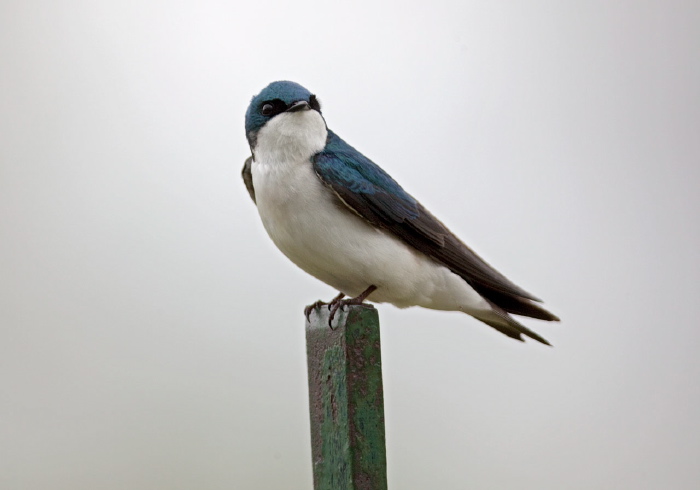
pixel 371 193
pixel 247 174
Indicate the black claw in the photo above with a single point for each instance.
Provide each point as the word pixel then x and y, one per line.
pixel 333 310
pixel 338 302
pixel 310 308
pixel 333 307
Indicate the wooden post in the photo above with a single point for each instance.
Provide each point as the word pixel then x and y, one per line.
pixel 346 399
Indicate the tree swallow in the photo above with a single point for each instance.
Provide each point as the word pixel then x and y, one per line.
pixel 344 220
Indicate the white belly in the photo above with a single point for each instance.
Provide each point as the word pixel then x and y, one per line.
pixel 320 235
pixel 327 240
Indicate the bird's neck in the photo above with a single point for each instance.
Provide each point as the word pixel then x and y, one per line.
pixel 291 137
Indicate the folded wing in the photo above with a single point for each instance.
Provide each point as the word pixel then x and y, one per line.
pixel 372 194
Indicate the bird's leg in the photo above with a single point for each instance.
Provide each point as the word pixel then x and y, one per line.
pixel 335 300
pixel 310 308
pixel 338 302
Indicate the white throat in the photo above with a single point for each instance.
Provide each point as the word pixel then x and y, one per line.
pixel 291 137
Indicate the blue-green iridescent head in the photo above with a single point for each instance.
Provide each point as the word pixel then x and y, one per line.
pixel 276 98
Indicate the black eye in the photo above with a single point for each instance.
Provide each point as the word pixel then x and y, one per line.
pixel 267 109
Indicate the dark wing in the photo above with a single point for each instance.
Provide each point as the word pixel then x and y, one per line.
pixel 371 193
pixel 247 175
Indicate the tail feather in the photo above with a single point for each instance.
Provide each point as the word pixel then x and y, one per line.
pixel 507 325
pixel 516 305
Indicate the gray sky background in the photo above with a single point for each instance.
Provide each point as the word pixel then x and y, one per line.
pixel 151 336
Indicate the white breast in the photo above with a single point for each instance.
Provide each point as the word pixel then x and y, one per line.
pixel 320 235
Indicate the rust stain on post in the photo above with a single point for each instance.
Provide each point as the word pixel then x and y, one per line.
pixel 346 399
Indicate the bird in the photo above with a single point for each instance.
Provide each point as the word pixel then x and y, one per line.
pixel 341 218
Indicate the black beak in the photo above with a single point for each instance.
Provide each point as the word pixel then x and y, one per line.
pixel 300 105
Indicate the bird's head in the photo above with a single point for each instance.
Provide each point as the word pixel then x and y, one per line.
pixel 284 110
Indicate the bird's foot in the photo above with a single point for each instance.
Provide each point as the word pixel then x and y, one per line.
pixel 338 302
pixel 310 308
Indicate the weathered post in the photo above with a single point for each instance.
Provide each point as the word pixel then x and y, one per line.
pixel 346 399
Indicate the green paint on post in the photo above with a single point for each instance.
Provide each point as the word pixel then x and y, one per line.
pixel 346 400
